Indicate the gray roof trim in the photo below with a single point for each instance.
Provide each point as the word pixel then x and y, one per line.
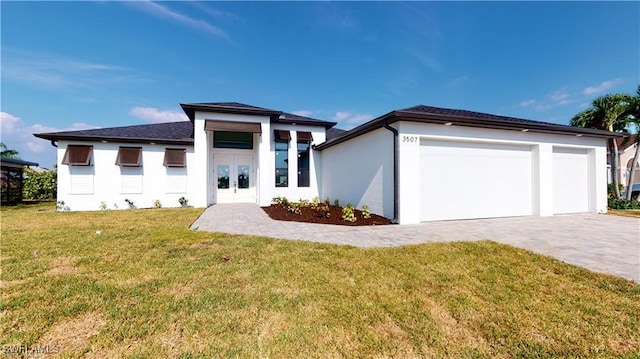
pixel 17 161
pixel 226 107
pixel 467 119
pixel 291 119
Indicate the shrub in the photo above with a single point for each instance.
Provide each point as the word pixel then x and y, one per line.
pixel 280 200
pixel 366 214
pixel 60 206
pixel 157 204
pixel 610 190
pixel 304 202
pixel 336 203
pixel 622 203
pixel 40 185
pixel 327 201
pixel 294 207
pixel 183 201
pixel 103 206
pixel 348 215
pixel 314 202
pixel 323 210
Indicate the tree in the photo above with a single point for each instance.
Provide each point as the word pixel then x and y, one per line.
pixel 7 153
pixel 40 185
pixel 610 113
pixel 634 112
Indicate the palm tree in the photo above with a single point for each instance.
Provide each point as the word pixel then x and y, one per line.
pixel 634 113
pixel 608 112
pixel 6 152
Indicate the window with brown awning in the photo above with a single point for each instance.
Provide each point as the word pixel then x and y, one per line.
pixel 304 136
pixel 281 135
pixel 76 155
pixel 129 156
pixel 232 126
pixel 175 157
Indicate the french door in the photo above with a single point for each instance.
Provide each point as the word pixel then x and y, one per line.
pixel 234 177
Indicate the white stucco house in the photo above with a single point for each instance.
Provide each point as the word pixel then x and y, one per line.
pixel 417 164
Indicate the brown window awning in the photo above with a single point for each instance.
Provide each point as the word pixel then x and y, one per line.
pixel 281 135
pixel 304 136
pixel 175 157
pixel 77 155
pixel 232 126
pixel 129 156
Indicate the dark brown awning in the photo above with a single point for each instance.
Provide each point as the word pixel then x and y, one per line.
pixel 304 136
pixel 232 126
pixel 281 135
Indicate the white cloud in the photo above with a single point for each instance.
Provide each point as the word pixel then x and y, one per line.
pixel 162 11
pixel 559 96
pixel 9 122
pixel 347 120
pixel 591 90
pixel 527 103
pixel 305 113
pixel 153 115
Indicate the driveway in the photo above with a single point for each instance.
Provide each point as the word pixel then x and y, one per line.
pixel 602 243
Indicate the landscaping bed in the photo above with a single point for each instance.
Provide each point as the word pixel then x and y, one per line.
pixel 310 214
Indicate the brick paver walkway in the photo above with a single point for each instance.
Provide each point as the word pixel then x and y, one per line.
pixel 602 243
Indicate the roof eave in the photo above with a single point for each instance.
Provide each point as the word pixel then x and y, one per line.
pixel 325 124
pixel 190 110
pixel 167 141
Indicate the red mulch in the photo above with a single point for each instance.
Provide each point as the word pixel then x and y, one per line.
pixel 307 214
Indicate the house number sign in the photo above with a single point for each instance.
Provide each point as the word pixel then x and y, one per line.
pixel 410 140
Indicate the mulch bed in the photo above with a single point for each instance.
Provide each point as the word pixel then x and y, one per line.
pixel 307 214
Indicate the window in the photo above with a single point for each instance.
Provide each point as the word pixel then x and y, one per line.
pixel 77 155
pixel 237 140
pixel 303 164
pixel 175 157
pixel 282 164
pixel 129 156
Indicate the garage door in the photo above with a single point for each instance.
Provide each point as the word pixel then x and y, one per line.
pixel 570 180
pixel 461 180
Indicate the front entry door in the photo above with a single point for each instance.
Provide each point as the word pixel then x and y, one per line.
pixel 235 179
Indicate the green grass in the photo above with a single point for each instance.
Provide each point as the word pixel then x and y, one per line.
pixel 148 287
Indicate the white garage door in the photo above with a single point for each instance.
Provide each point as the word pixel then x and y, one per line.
pixel 570 180
pixel 461 180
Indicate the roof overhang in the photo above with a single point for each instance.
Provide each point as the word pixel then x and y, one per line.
pixel 14 162
pixel 191 108
pixel 58 137
pixel 450 120
pixel 232 126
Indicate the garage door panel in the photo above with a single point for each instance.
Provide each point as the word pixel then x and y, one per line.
pixel 461 180
pixel 570 180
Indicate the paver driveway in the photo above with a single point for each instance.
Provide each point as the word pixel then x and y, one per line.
pixel 602 243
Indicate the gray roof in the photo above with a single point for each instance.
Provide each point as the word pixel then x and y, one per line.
pixel 439 115
pixel 177 133
pixel 334 132
pixel 17 161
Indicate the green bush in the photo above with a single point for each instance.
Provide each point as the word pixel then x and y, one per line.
pixel 622 203
pixel 336 203
pixel 610 190
pixel 348 214
pixel 323 210
pixel 157 204
pixel 294 207
pixel 366 214
pixel 40 185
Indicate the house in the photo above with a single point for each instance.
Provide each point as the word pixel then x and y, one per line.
pixel 12 178
pixel 417 164
pixel 627 150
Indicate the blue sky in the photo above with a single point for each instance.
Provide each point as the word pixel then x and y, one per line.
pixel 76 65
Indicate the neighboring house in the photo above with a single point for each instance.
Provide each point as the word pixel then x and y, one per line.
pixel 417 164
pixel 627 150
pixel 12 178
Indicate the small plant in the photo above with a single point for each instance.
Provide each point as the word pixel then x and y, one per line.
pixel 157 204
pixel 60 206
pixel 622 203
pixel 115 206
pixel 314 202
pixel 131 204
pixel 366 214
pixel 336 203
pixel 103 206
pixel 323 210
pixel 327 201
pixel 348 215
pixel 304 202
pixel 183 201
pixel 281 201
pixel 294 207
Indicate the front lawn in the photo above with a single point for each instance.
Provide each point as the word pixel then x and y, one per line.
pixel 138 283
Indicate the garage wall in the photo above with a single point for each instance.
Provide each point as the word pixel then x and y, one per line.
pixel 360 171
pixel 541 170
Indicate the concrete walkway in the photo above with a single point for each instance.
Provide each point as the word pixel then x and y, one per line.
pixel 602 243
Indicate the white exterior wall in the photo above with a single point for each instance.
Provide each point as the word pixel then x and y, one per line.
pixel 360 172
pixel 264 153
pixel 542 148
pixel 106 182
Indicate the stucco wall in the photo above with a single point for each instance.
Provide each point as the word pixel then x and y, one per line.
pixel 360 171
pixel 84 188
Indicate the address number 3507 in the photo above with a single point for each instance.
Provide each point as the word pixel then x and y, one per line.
pixel 410 139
